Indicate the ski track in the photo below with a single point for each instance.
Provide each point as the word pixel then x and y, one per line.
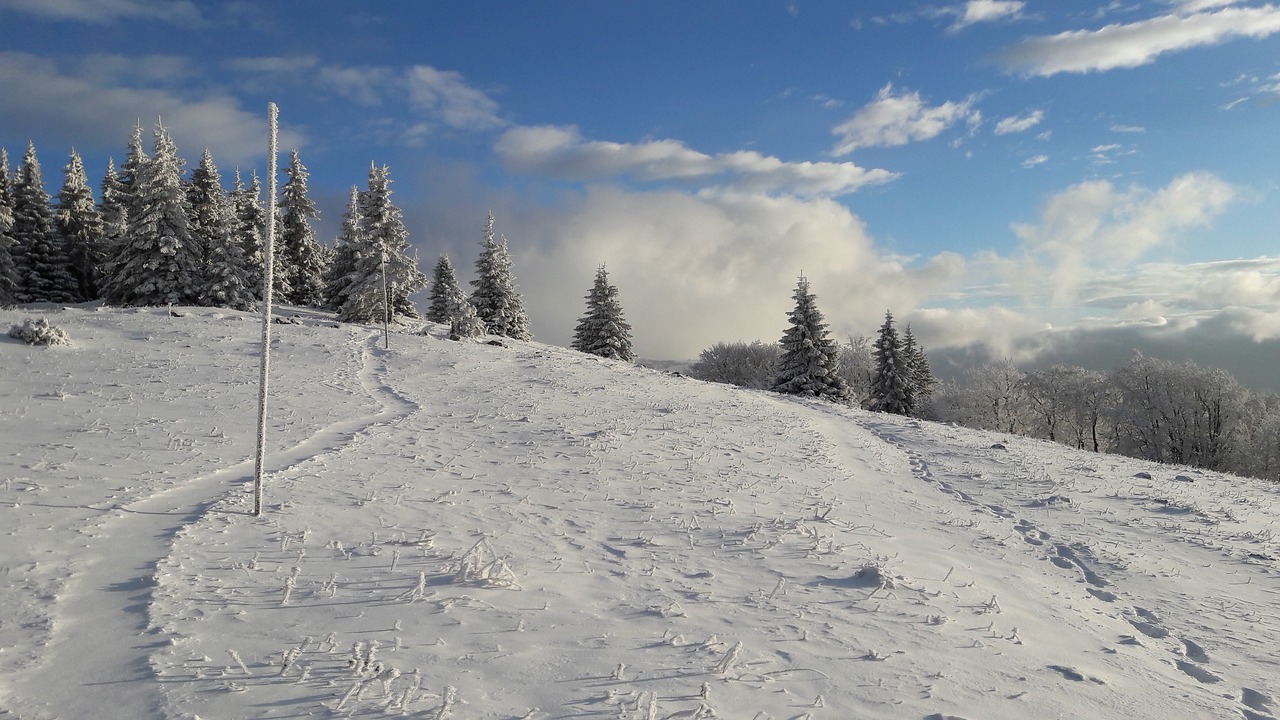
pixel 102 639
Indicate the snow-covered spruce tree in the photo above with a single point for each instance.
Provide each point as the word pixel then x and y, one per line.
pixel 464 322
pixel 383 249
pixel 8 273
pixel 251 229
pixel 890 385
pixel 301 258
pixel 444 285
pixel 81 229
pixel 225 278
pixel 602 330
pixel 494 295
pixel 337 275
pixel 115 206
pixel 44 272
pixel 809 364
pixel 159 260
pixel 919 373
pixel 111 208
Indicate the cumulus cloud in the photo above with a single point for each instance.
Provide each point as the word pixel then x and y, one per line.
pixel 1035 160
pixel 1019 123
pixel 1131 45
pixel 897 118
pixel 177 12
pixel 100 111
pixel 692 268
pixel 724 265
pixel 1093 226
pixel 562 152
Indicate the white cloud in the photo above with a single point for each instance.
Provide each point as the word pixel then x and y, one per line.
pixel 363 85
pixel 101 113
pixel 1093 227
pixel 723 265
pixel 1019 123
pixel 446 94
pixel 1194 6
pixel 1035 160
pixel 1108 154
pixel 274 65
pixel 113 69
pixel 435 97
pixel 177 12
pixel 1001 332
pixel 980 11
pixel 562 152
pixel 1139 43
pixel 894 119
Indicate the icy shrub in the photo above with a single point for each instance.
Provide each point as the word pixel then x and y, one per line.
pixel 750 365
pixel 39 331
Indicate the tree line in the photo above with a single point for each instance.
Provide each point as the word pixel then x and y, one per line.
pixel 1168 412
pixel 159 235
pixel 891 374
pixel 1148 408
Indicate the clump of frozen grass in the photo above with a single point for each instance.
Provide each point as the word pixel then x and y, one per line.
pixel 482 566
pixel 39 331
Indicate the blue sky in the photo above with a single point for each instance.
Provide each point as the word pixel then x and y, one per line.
pixel 1037 180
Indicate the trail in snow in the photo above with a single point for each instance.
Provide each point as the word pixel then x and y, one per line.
pixel 102 637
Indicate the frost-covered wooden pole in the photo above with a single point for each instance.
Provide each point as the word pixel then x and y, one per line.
pixel 268 254
pixel 386 306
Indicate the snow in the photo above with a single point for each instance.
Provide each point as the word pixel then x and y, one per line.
pixel 530 532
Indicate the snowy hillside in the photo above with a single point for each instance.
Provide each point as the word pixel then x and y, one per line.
pixel 459 530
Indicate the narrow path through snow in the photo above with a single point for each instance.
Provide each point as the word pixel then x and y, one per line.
pixel 98 660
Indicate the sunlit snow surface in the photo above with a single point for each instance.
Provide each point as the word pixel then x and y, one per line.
pixel 529 532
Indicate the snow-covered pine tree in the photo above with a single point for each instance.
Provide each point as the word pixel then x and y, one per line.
pixel 337 275
pixel 464 322
pixel 301 258
pixel 44 270
pixel 111 208
pixel 602 330
pixel 890 385
pixel 809 364
pixel 919 374
pixel 495 297
pixel 81 229
pixel 251 229
pixel 134 158
pixel 159 260
pixel 444 285
pixel 384 242
pixel 8 272
pixel 225 277
pixel 116 206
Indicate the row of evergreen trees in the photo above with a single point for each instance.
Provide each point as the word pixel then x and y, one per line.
pixel 159 236
pixel 496 308
pixel 901 380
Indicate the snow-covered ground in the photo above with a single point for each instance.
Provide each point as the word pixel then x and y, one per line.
pixel 460 530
